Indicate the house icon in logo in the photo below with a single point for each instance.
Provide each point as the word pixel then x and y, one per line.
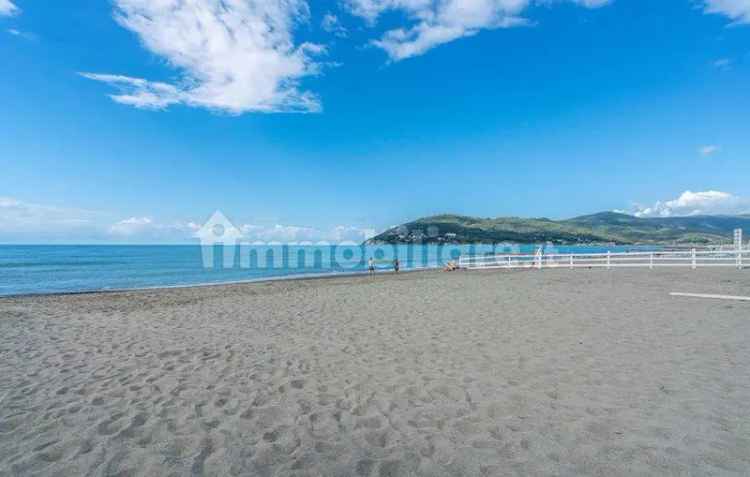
pixel 218 230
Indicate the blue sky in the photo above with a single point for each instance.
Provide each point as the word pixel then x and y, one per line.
pixel 133 120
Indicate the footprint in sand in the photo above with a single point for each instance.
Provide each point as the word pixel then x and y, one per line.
pixel 54 451
pixel 50 456
pixel 138 421
pixel 272 436
pixel 110 426
pixel 221 402
pixel 85 447
pixel 210 425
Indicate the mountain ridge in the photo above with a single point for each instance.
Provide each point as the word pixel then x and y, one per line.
pixel 602 227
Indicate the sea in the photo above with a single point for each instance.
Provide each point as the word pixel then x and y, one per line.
pixel 46 269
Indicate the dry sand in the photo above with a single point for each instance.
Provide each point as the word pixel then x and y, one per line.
pixel 470 373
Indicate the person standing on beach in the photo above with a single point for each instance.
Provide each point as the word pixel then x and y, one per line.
pixel 371 266
pixel 396 265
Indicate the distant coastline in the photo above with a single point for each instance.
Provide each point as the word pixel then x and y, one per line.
pixel 602 229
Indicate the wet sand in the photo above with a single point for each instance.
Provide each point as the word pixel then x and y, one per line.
pixel 585 372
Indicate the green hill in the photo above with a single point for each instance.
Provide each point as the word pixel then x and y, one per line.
pixel 605 227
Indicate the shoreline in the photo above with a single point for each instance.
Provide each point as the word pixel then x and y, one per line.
pixel 59 272
pixel 295 277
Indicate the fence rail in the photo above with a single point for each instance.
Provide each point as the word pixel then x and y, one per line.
pixel 688 258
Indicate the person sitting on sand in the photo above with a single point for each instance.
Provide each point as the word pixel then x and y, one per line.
pixel 451 266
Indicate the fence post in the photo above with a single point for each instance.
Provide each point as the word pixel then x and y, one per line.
pixel 695 264
pixel 651 262
pixel 609 260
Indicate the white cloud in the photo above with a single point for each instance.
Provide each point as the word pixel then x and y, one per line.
pixel 141 93
pixel 296 234
pixel 22 34
pixel 278 233
pixel 33 223
pixel 16 215
pixel 737 10
pixel 592 3
pixel 145 228
pixel 234 56
pixel 709 150
pixel 697 203
pixel 436 22
pixel 344 233
pixel 140 229
pixel 131 226
pixel 7 8
pixel 332 24
pixel 26 222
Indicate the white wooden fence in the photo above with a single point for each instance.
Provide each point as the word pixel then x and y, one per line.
pixel 689 258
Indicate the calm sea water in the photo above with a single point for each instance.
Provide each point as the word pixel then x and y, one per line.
pixel 37 269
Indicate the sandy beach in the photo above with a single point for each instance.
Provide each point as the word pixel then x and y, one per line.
pixel 586 372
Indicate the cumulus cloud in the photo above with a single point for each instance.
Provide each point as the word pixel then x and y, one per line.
pixel 7 8
pixel 709 150
pixel 344 233
pixel 433 23
pixel 697 203
pixel 146 228
pixel 737 10
pixel 234 56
